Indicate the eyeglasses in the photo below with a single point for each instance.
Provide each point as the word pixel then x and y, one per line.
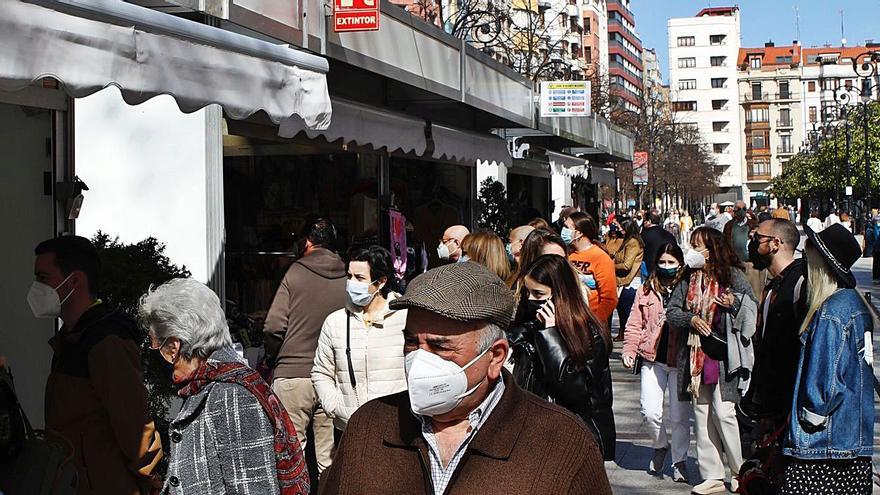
pixel 154 347
pixel 761 237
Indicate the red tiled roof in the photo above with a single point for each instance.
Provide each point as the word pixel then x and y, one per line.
pixel 849 52
pixel 770 53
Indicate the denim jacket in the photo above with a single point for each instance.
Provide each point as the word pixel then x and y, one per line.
pixel 832 414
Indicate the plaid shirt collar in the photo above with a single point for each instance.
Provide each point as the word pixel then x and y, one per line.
pixel 440 475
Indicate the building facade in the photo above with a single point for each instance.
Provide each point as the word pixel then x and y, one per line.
pixel 596 36
pixel 624 55
pixel 771 114
pixel 703 53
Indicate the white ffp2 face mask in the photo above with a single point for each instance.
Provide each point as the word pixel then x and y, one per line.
pixel 694 259
pixel 44 300
pixel 436 385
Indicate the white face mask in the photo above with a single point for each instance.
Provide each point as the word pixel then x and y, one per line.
pixel 694 259
pixel 436 385
pixel 44 300
pixel 443 251
pixel 359 292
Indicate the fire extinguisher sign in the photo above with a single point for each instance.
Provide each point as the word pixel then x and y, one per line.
pixel 355 15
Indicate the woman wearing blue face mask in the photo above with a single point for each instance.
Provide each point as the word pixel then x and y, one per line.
pixel 360 350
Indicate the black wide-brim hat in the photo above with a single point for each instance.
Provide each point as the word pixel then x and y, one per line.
pixel 840 250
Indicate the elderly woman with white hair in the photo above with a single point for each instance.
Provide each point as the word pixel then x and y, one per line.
pixel 231 435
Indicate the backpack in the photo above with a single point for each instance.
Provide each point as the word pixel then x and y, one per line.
pixel 37 462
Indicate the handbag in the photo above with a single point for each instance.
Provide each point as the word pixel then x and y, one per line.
pixel 637 365
pixel 714 346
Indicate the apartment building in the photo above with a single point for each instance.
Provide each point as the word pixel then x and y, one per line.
pixel 703 52
pixel 771 114
pixel 595 37
pixel 624 55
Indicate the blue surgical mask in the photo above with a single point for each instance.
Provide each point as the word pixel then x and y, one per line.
pixel 567 235
pixel 510 257
pixel 589 280
pixel 359 292
pixel 667 273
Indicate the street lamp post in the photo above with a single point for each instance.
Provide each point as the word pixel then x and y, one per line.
pixel 865 65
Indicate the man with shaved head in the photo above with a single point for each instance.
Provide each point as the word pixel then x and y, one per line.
pixel 516 238
pixel 450 244
pixel 780 315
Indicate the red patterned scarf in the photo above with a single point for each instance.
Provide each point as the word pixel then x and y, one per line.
pixel 293 476
pixel 701 302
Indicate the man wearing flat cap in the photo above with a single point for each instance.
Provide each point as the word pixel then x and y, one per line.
pixel 464 426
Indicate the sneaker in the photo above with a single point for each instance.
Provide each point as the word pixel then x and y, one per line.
pixel 656 465
pixel 709 486
pixel 680 472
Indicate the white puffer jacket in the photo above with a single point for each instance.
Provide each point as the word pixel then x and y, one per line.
pixel 376 356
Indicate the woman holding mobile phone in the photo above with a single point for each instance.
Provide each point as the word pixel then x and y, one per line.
pixel 560 348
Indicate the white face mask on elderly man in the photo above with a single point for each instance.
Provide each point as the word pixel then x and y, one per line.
pixel 436 385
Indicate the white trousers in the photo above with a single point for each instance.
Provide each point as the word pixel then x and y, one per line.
pixel 717 431
pixel 657 378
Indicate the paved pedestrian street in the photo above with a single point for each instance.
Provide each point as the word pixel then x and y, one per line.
pixel 628 473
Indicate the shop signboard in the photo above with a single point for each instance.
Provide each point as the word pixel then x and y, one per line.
pixel 640 168
pixel 565 98
pixel 355 15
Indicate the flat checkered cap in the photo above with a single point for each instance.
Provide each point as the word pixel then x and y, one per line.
pixel 460 291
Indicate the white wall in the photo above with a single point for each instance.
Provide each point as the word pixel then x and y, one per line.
pixel 145 168
pixel 26 217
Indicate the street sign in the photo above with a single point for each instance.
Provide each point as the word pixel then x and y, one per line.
pixel 565 98
pixel 640 168
pixel 355 15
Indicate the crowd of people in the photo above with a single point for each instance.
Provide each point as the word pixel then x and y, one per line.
pixel 490 373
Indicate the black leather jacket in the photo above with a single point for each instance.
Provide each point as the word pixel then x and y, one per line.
pixel 542 365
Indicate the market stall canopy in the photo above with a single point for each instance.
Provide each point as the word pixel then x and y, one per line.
pixel 365 126
pixel 88 45
pixel 567 165
pixel 466 146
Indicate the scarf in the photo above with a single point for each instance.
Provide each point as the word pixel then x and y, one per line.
pixel 701 302
pixel 293 477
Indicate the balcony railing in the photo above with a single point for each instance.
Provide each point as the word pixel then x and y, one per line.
pixel 784 123
pixel 750 96
pixel 758 176
pixel 749 121
pixel 786 96
pixel 764 149
pixel 784 150
pixel 622 7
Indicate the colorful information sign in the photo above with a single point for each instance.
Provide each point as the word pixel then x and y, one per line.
pixel 640 168
pixel 565 98
pixel 355 15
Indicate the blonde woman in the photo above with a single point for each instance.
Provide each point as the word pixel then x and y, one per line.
pixel 488 250
pixel 830 435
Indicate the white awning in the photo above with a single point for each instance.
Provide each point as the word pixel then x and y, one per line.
pixel 365 125
pixel 468 147
pixel 88 45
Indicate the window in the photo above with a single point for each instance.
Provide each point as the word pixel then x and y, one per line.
pixel 784 60
pixel 785 146
pixel 830 84
pixel 785 117
pixel 588 54
pixel 684 63
pixel 758 115
pixel 755 62
pixel 718 104
pixel 588 25
pixel 719 82
pixel 812 115
pixel 718 61
pixel 684 106
pixel 759 167
pixel 685 41
pixel 784 94
pixel 687 84
pixel 719 126
pixel 811 86
pixel 717 39
pixel 756 91
pixel 759 141
pixel 848 84
pixel 719 147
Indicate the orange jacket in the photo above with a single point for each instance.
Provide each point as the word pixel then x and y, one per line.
pixel 596 262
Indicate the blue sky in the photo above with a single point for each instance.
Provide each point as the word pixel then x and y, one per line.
pixel 763 20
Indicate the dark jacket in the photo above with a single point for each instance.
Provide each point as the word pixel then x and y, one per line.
pixel 312 288
pixel 96 399
pixel 543 367
pixel 832 414
pixel 654 237
pixel 679 317
pixel 527 445
pixel 777 349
